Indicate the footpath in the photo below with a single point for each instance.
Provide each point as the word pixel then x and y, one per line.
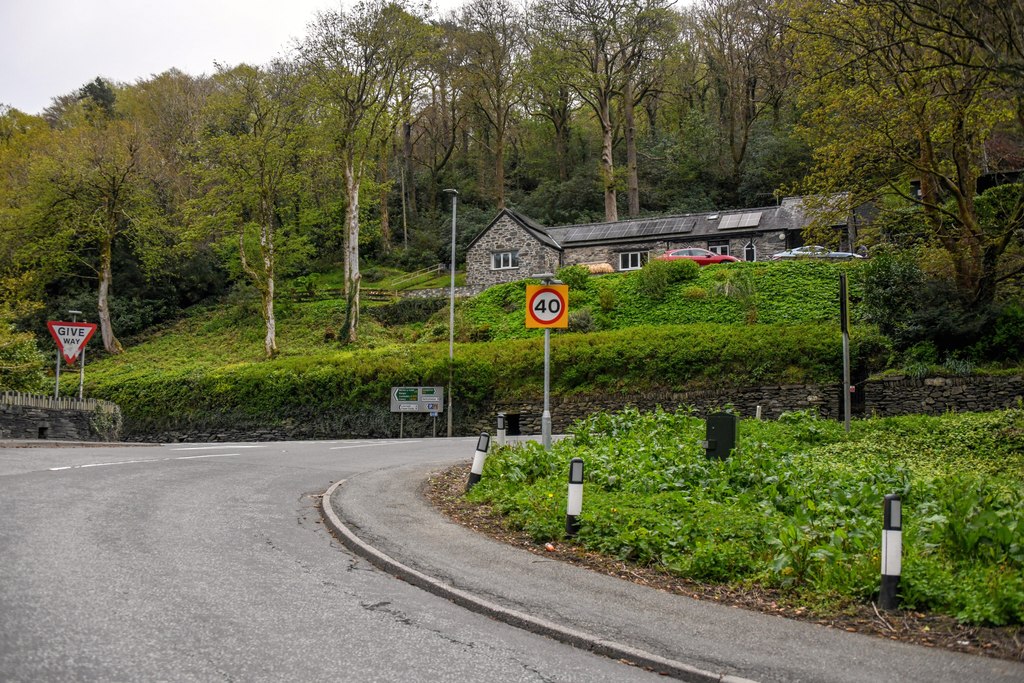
pixel 385 517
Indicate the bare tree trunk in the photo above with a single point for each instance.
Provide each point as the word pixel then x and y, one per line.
pixel 270 340
pixel 499 170
pixel 611 211
pixel 632 179
pixel 351 245
pixel 110 342
pixel 385 217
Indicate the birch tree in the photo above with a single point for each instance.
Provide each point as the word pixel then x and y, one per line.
pixel 355 58
pixel 250 166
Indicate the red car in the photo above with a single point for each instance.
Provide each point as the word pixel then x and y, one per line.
pixel 703 257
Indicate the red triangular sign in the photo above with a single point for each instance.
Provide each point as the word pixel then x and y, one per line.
pixel 71 338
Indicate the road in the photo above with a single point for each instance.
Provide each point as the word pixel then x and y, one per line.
pixel 194 562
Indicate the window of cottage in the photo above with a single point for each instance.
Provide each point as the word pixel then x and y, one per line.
pixel 503 260
pixel 632 260
pixel 719 246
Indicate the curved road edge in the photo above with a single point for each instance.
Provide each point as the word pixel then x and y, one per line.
pixel 512 617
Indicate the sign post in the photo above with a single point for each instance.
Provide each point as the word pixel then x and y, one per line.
pixel 71 339
pixel 547 306
pixel 416 400
pixel 844 324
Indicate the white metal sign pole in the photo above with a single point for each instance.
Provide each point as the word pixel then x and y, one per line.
pixel 81 374
pixel 56 388
pixel 545 420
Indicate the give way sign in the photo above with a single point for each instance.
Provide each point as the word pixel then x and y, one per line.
pixel 71 338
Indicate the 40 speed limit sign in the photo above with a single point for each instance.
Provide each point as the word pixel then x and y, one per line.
pixel 547 305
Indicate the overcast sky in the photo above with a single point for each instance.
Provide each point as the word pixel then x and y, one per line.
pixel 53 47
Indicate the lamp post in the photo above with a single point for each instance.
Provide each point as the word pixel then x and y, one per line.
pixel 451 317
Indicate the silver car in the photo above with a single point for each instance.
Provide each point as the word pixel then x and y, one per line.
pixel 814 251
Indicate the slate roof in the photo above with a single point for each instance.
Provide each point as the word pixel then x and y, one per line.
pixel 786 216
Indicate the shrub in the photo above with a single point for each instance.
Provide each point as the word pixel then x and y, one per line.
pixel 576 276
pixel 606 298
pixel 581 321
pixel 406 311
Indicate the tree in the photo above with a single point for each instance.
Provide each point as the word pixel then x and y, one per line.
pixel 355 59
pixel 887 109
pixel 494 43
pixel 581 38
pixel 87 196
pixel 249 169
pixel 747 66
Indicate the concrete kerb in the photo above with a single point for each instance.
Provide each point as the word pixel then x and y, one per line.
pixel 574 637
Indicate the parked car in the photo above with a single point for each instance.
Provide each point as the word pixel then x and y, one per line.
pixel 703 257
pixel 814 251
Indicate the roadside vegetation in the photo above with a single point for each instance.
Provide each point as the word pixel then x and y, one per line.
pixel 797 506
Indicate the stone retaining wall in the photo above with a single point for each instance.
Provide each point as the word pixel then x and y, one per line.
pixel 890 396
pixel 26 416
pixel 882 398
pixel 937 395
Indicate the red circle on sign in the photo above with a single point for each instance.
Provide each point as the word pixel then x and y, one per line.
pixel 548 294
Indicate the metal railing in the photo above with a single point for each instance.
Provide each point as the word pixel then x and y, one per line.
pixel 17 398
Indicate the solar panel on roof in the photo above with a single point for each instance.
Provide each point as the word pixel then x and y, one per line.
pixel 688 225
pixel 749 220
pixel 730 221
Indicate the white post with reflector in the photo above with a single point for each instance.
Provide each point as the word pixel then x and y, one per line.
pixel 575 505
pixel 501 429
pixel 892 551
pixel 482 444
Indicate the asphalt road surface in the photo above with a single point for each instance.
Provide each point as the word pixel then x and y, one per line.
pixel 207 562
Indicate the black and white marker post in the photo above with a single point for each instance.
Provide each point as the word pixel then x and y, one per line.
pixel 892 551
pixel 501 429
pixel 575 504
pixel 482 444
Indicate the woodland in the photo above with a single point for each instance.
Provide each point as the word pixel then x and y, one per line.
pixel 134 201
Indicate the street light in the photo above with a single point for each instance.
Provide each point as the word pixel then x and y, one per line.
pixel 451 317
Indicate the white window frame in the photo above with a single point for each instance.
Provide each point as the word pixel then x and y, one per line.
pixel 505 260
pixel 641 258
pixel 720 249
pixel 752 247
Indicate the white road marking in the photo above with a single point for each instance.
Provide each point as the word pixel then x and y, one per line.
pixel 129 462
pixel 210 448
pixel 359 444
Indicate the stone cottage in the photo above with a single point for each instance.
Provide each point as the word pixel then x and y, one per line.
pixel 514 247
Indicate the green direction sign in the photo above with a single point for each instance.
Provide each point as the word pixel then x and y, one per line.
pixel 407 394
pixel 417 399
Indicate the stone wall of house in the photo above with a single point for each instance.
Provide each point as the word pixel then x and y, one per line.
pixel 609 253
pixel 26 416
pixel 765 245
pixel 507 235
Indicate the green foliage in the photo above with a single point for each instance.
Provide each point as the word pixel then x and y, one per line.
pixel 792 292
pixel 406 311
pixel 798 505
pixel 657 275
pixel 577 277
pixel 22 365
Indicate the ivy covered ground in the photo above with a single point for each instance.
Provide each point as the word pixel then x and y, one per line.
pixel 791 522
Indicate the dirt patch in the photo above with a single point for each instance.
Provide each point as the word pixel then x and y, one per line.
pixel 445 491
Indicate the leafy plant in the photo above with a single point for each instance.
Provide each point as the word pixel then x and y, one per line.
pixel 797 507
